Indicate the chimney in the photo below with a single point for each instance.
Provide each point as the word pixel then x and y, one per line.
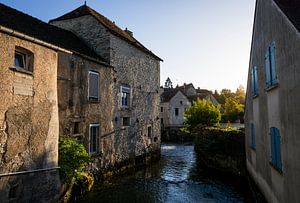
pixel 129 32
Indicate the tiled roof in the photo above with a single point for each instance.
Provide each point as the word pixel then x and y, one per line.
pixel 33 27
pixel 168 94
pixel 291 8
pixel 111 26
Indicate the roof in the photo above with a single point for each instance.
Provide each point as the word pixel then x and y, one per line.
pixel 291 8
pixel 111 26
pixel 168 94
pixel 33 27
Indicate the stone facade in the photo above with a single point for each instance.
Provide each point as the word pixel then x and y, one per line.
pixel 76 111
pixel 136 125
pixel 28 122
pixel 276 106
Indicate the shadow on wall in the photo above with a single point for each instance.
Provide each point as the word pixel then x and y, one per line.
pixel 30 184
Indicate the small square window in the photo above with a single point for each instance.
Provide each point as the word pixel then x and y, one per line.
pixel 23 59
pixel 126 121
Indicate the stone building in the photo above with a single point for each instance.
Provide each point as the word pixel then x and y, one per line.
pixel 134 131
pixel 174 101
pixel 272 104
pixel 97 84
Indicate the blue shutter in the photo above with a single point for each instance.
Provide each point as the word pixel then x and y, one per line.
pixel 267 69
pixel 272 142
pixel 278 149
pixel 255 80
pixel 273 64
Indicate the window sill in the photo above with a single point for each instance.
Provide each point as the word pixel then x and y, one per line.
pixel 276 168
pixel 255 96
pixel 272 87
pixel 254 149
pixel 95 154
pixel 93 101
pixel 21 70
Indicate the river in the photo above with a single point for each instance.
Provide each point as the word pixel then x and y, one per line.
pixel 177 177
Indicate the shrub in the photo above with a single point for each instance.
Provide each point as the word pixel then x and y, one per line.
pixel 73 158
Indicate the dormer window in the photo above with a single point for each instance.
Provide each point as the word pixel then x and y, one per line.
pixel 23 59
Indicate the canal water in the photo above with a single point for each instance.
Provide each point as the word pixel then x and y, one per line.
pixel 177 177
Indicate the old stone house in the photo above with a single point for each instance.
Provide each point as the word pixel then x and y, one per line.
pixel 174 101
pixel 272 103
pixel 56 82
pixel 134 130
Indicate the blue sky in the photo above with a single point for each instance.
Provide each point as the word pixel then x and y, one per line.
pixel 206 42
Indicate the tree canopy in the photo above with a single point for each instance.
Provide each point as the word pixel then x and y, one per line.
pixel 168 83
pixel 202 113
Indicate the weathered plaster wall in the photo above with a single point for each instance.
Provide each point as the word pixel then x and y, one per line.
pixel 278 107
pixel 28 123
pixel 175 102
pixel 74 105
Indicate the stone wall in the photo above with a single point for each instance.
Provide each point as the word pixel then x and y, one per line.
pixel 136 69
pixel 74 105
pixel 28 123
pixel 277 107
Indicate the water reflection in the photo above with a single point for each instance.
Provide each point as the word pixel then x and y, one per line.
pixel 176 178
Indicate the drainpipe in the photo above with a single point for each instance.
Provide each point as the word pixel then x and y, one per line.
pixel 30 171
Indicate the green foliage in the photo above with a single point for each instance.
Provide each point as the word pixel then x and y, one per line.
pixel 233 110
pixel 72 158
pixel 202 113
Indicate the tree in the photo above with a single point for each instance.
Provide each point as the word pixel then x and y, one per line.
pixel 202 113
pixel 168 83
pixel 233 110
pixel 240 94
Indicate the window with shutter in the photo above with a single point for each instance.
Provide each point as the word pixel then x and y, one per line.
pixel 93 91
pixel 270 66
pixel 94 139
pixel 275 141
pixel 254 81
pixel 125 91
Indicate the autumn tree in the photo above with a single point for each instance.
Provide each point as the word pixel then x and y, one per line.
pixel 233 110
pixel 202 113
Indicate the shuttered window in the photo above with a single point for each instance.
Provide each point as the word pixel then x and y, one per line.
pixel 254 81
pixel 253 138
pixel 93 86
pixel 275 142
pixel 270 66
pixel 94 139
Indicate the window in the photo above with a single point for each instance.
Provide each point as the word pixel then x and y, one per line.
pixel 161 121
pixel 252 133
pixel 270 66
pixel 76 128
pixel 176 111
pixel 161 109
pixel 23 59
pixel 149 131
pixel 126 121
pixel 20 59
pixel 94 138
pixel 275 141
pixel 125 91
pixel 254 81
pixel 93 92
pixel 181 102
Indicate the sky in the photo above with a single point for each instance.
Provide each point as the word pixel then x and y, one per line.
pixel 204 42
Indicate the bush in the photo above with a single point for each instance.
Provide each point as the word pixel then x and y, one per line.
pixel 202 113
pixel 73 158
